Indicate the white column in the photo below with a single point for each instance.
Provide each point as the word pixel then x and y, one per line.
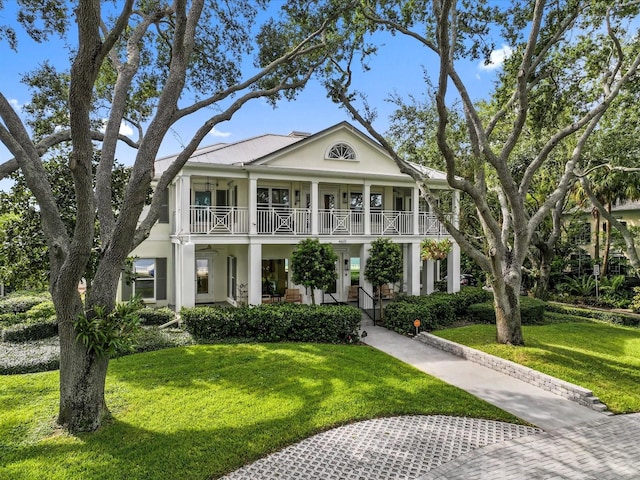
pixel 314 209
pixel 453 269
pixel 415 209
pixel 366 202
pixel 364 255
pixel 413 270
pixel 187 281
pixel 429 275
pixel 252 203
pixel 254 274
pixel 183 199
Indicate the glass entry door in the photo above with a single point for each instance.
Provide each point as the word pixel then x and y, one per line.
pixel 204 278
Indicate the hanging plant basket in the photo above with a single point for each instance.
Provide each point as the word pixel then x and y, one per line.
pixel 435 249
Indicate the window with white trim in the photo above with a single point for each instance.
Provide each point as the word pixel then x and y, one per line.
pixel 341 151
pixel 144 270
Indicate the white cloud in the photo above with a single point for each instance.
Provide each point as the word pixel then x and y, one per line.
pixel 218 133
pixel 125 129
pixel 497 58
pixel 15 104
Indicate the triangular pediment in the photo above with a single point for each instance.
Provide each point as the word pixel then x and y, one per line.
pixel 341 148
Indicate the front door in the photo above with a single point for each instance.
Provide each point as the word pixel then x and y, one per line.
pixel 339 290
pixel 204 278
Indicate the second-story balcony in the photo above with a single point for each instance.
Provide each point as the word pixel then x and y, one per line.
pixel 207 220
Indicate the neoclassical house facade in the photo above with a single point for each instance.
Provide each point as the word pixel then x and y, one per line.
pixel 236 211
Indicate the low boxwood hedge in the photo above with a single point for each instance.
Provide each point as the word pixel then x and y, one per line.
pixel 616 318
pixel 531 312
pixel 22 301
pixel 274 323
pixel 434 311
pixel 35 330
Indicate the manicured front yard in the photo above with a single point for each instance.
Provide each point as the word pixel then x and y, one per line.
pixel 202 411
pixel 601 357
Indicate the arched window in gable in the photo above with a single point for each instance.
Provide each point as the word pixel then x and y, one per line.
pixel 341 151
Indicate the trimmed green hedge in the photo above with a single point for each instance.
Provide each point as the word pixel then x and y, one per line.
pixel 35 330
pixel 27 316
pixel 23 301
pixel 434 311
pixel 275 323
pixel 531 312
pixel 616 318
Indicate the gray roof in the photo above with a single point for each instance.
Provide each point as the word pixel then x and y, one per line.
pixel 238 153
pixel 627 206
pixel 429 172
pixel 256 148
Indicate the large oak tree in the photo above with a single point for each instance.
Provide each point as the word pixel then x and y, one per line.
pixel 150 64
pixel 568 50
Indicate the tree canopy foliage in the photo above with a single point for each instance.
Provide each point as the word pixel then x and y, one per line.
pixel 570 61
pixel 313 264
pixel 148 65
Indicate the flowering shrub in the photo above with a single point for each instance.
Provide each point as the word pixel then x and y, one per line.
pixel 435 249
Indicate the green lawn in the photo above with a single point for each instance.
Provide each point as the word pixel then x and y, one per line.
pixel 601 357
pixel 205 410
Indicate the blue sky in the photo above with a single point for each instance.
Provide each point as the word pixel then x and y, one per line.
pixel 398 68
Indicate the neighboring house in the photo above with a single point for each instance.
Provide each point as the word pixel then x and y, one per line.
pixel 627 213
pixel 236 212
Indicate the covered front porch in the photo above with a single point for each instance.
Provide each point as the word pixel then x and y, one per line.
pixel 258 273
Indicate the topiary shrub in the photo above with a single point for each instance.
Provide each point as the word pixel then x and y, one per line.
pixel 156 316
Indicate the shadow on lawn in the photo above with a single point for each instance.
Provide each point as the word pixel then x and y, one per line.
pixel 204 411
pixel 595 363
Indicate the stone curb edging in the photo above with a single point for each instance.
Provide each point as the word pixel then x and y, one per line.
pixel 554 385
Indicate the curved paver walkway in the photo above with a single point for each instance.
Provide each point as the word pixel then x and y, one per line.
pixel 452 448
pixel 384 448
pixel 607 449
pixel 577 443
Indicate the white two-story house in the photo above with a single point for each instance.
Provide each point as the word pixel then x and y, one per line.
pixel 236 212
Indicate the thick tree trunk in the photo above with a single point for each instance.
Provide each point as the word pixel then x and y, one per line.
pixel 508 320
pixel 607 245
pixel 82 376
pixel 542 285
pixel 506 298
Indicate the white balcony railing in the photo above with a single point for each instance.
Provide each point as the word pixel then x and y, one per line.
pixel 297 221
pixel 340 222
pixel 284 221
pixel 428 224
pixel 391 223
pixel 219 220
